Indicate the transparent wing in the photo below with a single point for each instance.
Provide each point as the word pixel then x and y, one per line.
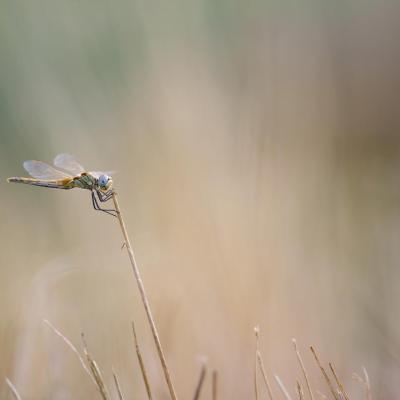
pixel 41 170
pixel 97 174
pixel 69 163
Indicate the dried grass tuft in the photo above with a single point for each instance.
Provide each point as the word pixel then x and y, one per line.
pixel 303 369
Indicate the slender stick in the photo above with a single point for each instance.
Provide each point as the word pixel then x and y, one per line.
pixel 282 387
pixel 256 331
pixel 200 382
pixel 299 390
pixel 264 375
pixel 72 347
pixel 260 362
pixel 141 363
pixel 367 384
pixel 214 385
pixel 144 299
pixel 303 369
pixel 13 390
pixel 118 386
pixel 95 371
pixel 338 382
pixel 328 381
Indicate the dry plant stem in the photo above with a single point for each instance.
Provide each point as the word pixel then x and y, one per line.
pixel 13 389
pixel 303 369
pixel 214 385
pixel 338 382
pixel 95 372
pixel 299 390
pixel 368 394
pixel 144 298
pixel 261 365
pixel 256 331
pixel 282 387
pixel 200 382
pixel 365 383
pixel 328 381
pixel 118 387
pixel 141 363
pixel 72 347
pixel 264 375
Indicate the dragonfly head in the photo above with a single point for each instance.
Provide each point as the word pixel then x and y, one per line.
pixel 105 182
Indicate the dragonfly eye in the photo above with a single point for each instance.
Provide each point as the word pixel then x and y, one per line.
pixel 104 182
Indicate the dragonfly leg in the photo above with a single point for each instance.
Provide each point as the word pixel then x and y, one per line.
pixel 103 197
pixel 98 208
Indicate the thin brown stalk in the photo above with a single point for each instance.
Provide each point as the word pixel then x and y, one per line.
pixel 200 382
pixel 299 390
pixel 365 382
pixel 303 369
pixel 214 385
pixel 72 347
pixel 117 386
pixel 13 389
pixel 282 387
pixel 141 363
pixel 260 362
pixel 328 381
pixel 95 372
pixel 144 298
pixel 338 382
pixel 264 375
pixel 256 331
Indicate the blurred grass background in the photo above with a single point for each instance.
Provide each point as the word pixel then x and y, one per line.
pixel 257 148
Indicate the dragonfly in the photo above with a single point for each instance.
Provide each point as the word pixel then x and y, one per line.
pixel 67 173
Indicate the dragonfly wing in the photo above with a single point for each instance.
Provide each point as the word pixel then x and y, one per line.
pixel 69 163
pixel 41 170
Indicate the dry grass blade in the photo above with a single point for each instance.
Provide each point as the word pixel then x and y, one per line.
pixel 117 386
pixel 72 347
pixel 338 382
pixel 260 362
pixel 256 331
pixel 328 381
pixel 13 389
pixel 144 299
pixel 365 382
pixel 200 382
pixel 303 369
pixel 264 375
pixel 282 387
pixel 95 372
pixel 141 363
pixel 214 385
pixel 299 390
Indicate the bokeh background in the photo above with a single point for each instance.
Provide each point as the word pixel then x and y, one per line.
pixel 257 152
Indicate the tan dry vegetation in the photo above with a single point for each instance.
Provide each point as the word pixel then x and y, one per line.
pixel 257 152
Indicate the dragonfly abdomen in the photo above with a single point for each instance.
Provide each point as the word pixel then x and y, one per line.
pixel 55 184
